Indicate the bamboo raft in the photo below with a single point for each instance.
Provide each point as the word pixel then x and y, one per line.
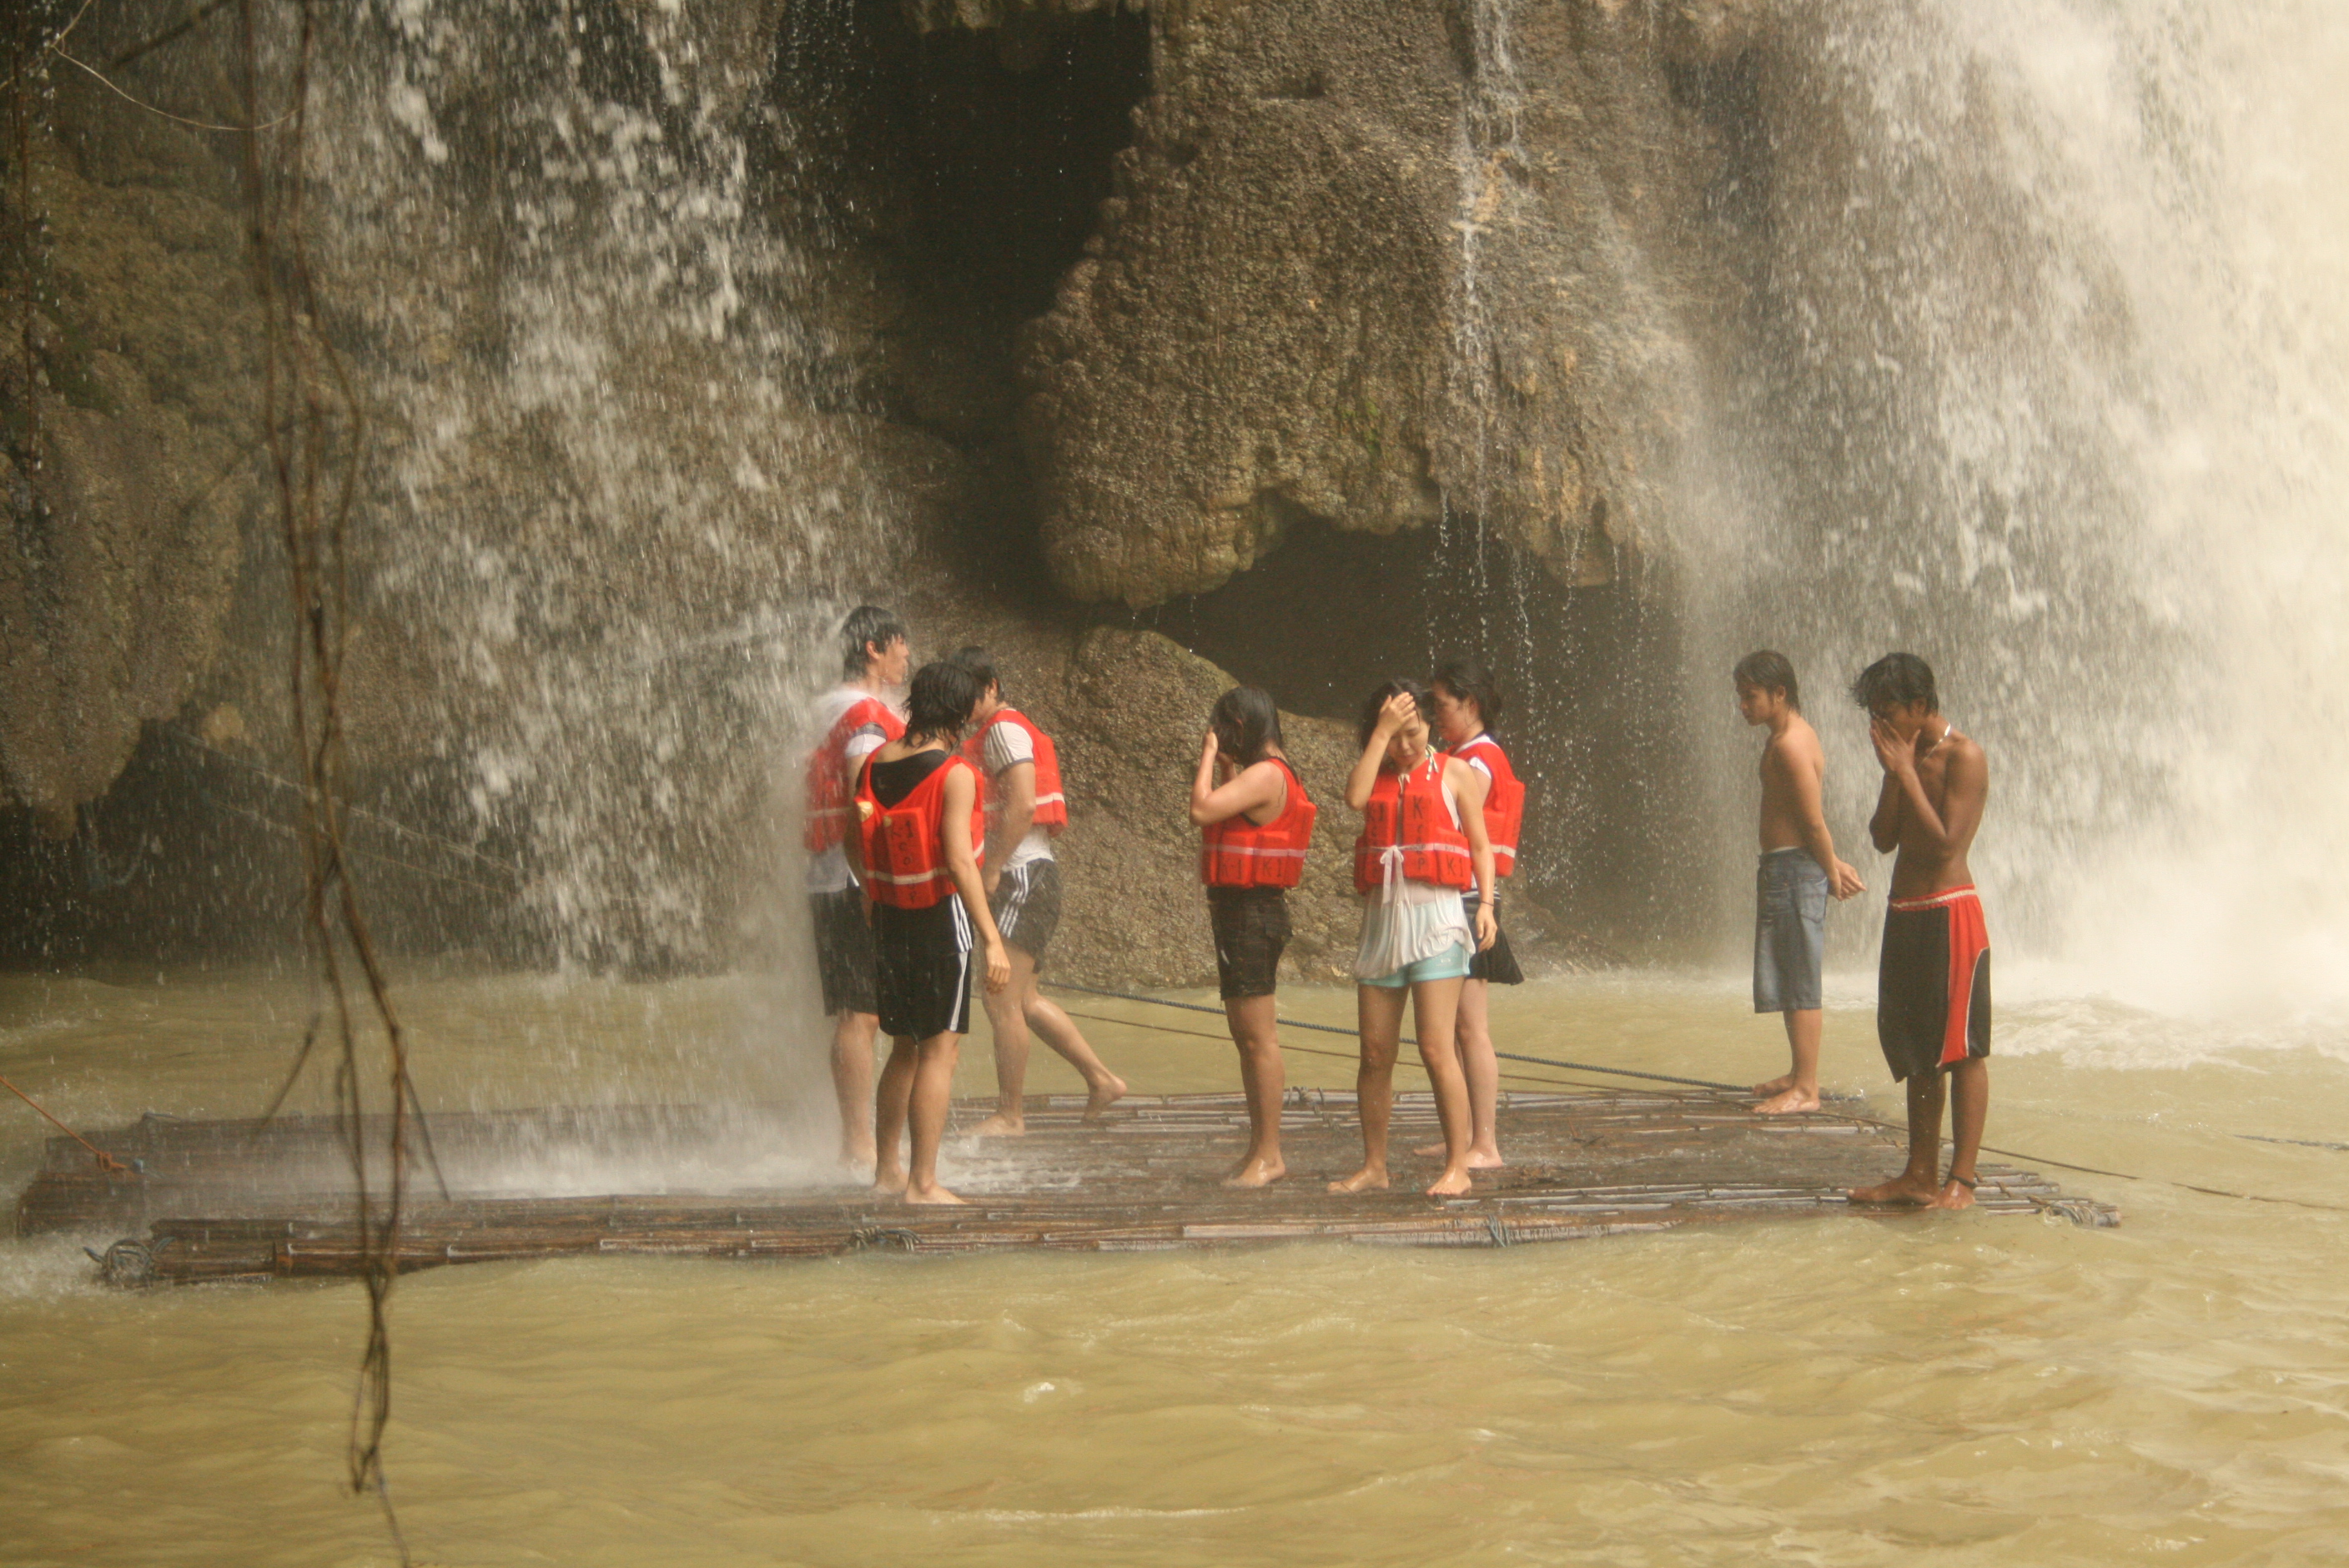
pixel 248 1201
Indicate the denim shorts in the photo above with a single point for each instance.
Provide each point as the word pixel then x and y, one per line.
pixel 1452 964
pixel 1790 929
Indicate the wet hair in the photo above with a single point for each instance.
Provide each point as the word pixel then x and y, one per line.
pixel 1378 700
pixel 975 660
pixel 1245 721
pixel 1770 670
pixel 938 704
pixel 866 624
pixel 1468 679
pixel 1897 680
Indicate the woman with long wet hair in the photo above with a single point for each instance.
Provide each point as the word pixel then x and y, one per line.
pixel 1255 823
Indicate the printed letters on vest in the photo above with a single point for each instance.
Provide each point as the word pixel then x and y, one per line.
pixel 1407 826
pixel 905 844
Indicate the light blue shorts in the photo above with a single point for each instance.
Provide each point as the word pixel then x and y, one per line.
pixel 1452 964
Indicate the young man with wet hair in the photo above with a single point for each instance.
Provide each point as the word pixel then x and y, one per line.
pixel 915 849
pixel 1798 873
pixel 1026 808
pixel 1932 1000
pixel 852 721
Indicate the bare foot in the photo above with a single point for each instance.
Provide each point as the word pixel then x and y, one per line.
pixel 1479 1158
pixel 1775 1086
pixel 1257 1173
pixel 1103 1096
pixel 858 1158
pixel 933 1193
pixel 1002 1124
pixel 889 1180
pixel 1909 1192
pixel 1954 1195
pixel 1451 1184
pixel 1369 1178
pixel 1797 1099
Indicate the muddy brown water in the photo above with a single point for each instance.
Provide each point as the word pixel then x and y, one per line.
pixel 1956 1390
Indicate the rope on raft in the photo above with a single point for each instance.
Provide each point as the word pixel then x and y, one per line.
pixel 1900 1128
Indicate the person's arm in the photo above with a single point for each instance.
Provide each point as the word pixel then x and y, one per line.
pixel 1468 785
pixel 961 789
pixel 1884 828
pixel 1252 789
pixel 1365 775
pixel 852 842
pixel 1800 779
pixel 1016 788
pixel 1966 785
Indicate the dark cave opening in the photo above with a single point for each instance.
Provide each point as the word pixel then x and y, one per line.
pixel 1592 706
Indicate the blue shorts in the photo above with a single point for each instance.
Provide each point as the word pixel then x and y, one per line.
pixel 1452 964
pixel 1790 931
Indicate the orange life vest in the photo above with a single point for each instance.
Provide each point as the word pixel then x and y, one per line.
pixel 1237 854
pixel 906 845
pixel 1052 801
pixel 1408 816
pixel 1504 802
pixel 830 793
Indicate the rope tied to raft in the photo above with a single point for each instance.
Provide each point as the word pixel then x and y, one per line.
pixel 106 1162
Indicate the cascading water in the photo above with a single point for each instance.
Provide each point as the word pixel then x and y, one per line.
pixel 2050 296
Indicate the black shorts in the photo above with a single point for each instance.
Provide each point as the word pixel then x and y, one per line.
pixel 1497 962
pixel 1251 927
pixel 1932 983
pixel 924 974
pixel 843 950
pixel 1026 904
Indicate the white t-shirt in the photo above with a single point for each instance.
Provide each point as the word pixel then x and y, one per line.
pixel 1006 745
pixel 828 871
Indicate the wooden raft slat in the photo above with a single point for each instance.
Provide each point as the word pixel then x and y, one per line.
pixel 240 1200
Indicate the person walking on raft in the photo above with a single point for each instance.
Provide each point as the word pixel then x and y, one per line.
pixel 1423 844
pixel 1025 809
pixel 1255 823
pixel 915 847
pixel 1467 703
pixel 1932 996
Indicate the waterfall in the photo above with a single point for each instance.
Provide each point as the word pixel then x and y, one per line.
pixel 2052 320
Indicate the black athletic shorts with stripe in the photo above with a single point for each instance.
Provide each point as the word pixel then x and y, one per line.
pixel 843 949
pixel 923 978
pixel 1026 904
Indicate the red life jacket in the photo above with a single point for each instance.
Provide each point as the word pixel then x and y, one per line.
pixel 1238 853
pixel 1052 801
pixel 1504 802
pixel 830 792
pixel 906 845
pixel 1408 813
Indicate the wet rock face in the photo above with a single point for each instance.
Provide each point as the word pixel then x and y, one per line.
pixel 1372 264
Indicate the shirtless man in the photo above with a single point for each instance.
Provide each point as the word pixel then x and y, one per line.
pixel 1799 873
pixel 1932 1000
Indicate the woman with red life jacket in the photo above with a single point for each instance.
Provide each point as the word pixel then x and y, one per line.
pixel 1467 702
pixel 1256 821
pixel 852 721
pixel 1025 809
pixel 1423 845
pixel 915 850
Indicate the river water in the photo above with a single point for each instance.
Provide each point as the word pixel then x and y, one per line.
pixel 1950 1389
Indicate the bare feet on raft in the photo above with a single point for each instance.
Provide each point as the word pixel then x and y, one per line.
pixel 1904 1191
pixel 1777 1086
pixel 1369 1179
pixel 1954 1195
pixel 1104 1095
pixel 1002 1124
pixel 889 1180
pixel 1789 1102
pixel 1451 1184
pixel 1256 1173
pixel 1479 1158
pixel 933 1193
